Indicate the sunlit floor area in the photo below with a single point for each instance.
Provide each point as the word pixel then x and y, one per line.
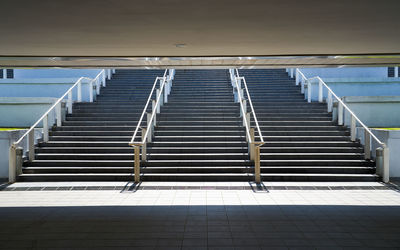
pixel 200 216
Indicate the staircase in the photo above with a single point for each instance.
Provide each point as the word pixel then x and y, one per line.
pixel 92 143
pixel 199 135
pixel 302 141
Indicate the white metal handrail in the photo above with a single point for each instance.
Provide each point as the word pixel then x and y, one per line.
pixel 98 80
pixel 306 82
pixel 345 107
pixel 163 78
pixel 253 146
pixel 147 133
pixel 251 106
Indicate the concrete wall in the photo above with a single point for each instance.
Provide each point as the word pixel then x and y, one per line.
pixel 392 139
pixel 54 73
pixel 49 87
pixel 6 139
pixel 345 72
pixel 374 111
pixel 358 87
pixel 24 112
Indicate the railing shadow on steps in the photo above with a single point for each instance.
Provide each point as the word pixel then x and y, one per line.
pixel 253 146
pixel 147 135
pixel 59 111
pixel 337 107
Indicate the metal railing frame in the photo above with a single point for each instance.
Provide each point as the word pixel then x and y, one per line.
pixel 15 153
pixel 253 146
pixel 147 133
pixel 382 153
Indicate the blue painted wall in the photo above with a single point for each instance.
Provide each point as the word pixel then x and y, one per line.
pixel 358 87
pixel 54 73
pixel 345 72
pixel 41 90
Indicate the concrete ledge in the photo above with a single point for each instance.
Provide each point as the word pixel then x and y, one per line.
pixel 42 81
pixel 374 111
pixel 371 99
pixel 6 139
pixel 392 139
pixel 27 100
pixel 22 112
pixel 372 80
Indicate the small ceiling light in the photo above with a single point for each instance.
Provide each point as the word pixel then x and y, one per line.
pixel 180 45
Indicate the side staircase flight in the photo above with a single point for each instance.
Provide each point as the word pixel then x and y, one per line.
pixel 199 134
pixel 302 143
pixel 92 143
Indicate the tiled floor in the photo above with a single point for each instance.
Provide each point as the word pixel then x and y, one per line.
pixel 200 217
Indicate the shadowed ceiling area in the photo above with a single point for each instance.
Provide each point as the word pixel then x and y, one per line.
pixel 187 28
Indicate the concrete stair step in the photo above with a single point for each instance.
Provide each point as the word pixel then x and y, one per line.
pixel 311 156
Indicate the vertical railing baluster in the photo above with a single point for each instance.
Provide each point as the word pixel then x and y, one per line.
pixel 353 128
pixel 46 128
pixel 320 91
pixel 257 167
pixel 31 147
pixel 340 113
pixel 309 91
pixel 58 114
pixel 144 146
pixel 367 145
pixel 69 102
pixel 79 89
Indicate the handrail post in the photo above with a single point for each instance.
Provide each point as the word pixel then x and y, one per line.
pixel 320 91
pixel 252 145
pixel 297 77
pixel 244 103
pixel 302 85
pixel 137 163
pixel 386 175
pixel 330 102
pixel 382 163
pixel 46 128
pixel 109 74
pixel 247 120
pixel 31 145
pixel 235 94
pixel 159 103
pixel 12 164
pixel 353 128
pixel 58 114
pixel 19 152
pixel 90 91
pixel 150 128
pixel 153 106
pixel 166 93
pixel 309 91
pixel 340 113
pixel 367 145
pixel 291 72
pixel 257 167
pixel 239 83
pixel 79 95
pixel 69 102
pixel 103 77
pixel 98 86
pixel 144 147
